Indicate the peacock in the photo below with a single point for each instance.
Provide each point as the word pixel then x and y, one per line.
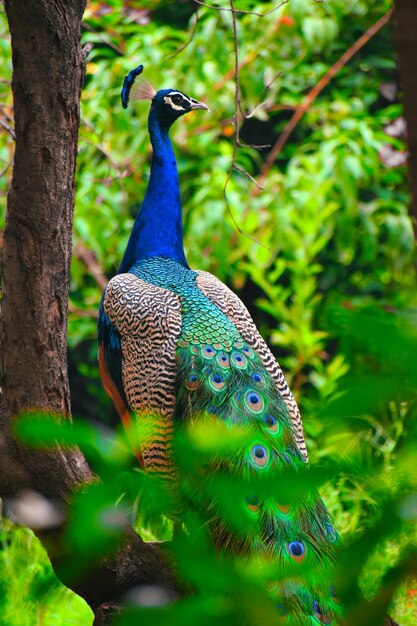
pixel 176 345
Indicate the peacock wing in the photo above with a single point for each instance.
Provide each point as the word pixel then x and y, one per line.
pixel 148 321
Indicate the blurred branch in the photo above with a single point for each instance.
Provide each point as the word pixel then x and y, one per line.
pixel 90 313
pixel 234 11
pixel 245 173
pixel 109 44
pixel 262 103
pixel 104 152
pixel 7 127
pixel 237 143
pixel 89 259
pixel 187 43
pixel 87 49
pixel 6 167
pixel 317 89
pixel 120 174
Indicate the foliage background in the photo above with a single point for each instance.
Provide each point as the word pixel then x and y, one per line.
pixel 332 285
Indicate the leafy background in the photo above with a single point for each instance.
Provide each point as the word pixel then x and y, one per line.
pixel 330 279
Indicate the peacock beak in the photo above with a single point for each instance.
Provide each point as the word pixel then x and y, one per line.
pixel 195 104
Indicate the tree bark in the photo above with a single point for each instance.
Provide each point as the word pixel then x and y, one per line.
pixel 405 29
pixel 48 70
pixel 47 77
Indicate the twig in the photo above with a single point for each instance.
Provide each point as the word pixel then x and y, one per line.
pixel 317 89
pixel 237 143
pixel 104 152
pixel 8 128
pixel 120 175
pixel 259 104
pixel 246 173
pixel 83 312
pixel 103 40
pixel 4 111
pixel 237 84
pixel 234 11
pixel 251 56
pixel 226 199
pixel 87 49
pixel 89 259
pixel 187 43
pixel 4 170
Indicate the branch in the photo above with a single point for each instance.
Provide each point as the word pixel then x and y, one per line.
pixel 6 168
pixel 187 43
pixel 109 44
pixel 233 10
pixel 89 259
pixel 317 89
pixel 237 143
pixel 8 128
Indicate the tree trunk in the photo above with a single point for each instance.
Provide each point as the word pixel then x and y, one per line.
pixel 48 69
pixel 405 20
pixel 47 77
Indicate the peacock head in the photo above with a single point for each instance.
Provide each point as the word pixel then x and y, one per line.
pixel 170 104
pixel 167 105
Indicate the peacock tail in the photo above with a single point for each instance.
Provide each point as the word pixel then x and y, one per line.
pixel 185 360
pixel 178 350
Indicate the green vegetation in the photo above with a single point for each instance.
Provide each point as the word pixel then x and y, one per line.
pixel 30 594
pixel 331 283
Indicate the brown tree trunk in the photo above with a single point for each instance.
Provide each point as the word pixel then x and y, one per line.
pixel 405 25
pixel 47 77
pixel 48 69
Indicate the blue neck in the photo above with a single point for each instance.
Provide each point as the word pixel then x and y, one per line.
pixel 157 230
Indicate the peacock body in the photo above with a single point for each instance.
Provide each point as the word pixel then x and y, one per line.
pixel 175 346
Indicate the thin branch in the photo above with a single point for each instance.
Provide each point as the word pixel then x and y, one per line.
pixel 251 56
pixel 259 104
pixel 91 313
pixel 8 128
pixel 6 167
pixel 4 111
pixel 108 156
pixel 246 173
pixel 317 89
pixel 120 174
pixel 187 43
pixel 87 49
pixel 236 57
pixel 237 142
pixel 226 199
pixel 256 108
pixel 89 259
pixel 234 11
pixel 103 40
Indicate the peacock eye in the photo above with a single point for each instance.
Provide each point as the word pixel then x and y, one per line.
pixel 177 99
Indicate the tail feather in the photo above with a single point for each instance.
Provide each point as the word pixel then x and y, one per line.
pixel 229 385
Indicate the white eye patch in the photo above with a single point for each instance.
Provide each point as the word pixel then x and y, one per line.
pixel 176 107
